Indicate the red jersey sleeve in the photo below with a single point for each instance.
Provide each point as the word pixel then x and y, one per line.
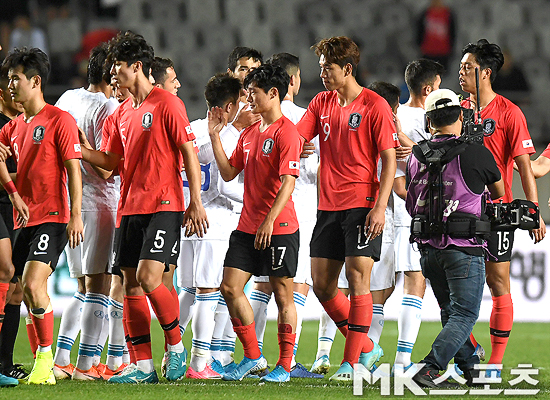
pixel 5 134
pixel 106 132
pixel 520 139
pixel 546 152
pixel 177 122
pixel 307 126
pixel 114 143
pixel 67 135
pixel 289 148
pixel 383 126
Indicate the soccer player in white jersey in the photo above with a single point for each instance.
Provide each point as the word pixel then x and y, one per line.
pixel 305 194
pixel 90 261
pixel 201 259
pixel 164 75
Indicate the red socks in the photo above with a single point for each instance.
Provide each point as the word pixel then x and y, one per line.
pixel 31 333
pixel 286 345
pixel 162 302
pixel 360 317
pixel 338 309
pixel 247 336
pixel 473 340
pixel 139 326
pixel 500 324
pixel 43 326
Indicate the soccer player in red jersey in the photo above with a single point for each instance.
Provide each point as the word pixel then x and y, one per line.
pixel 44 140
pixel 151 135
pixel 355 128
pixel 267 238
pixel 507 137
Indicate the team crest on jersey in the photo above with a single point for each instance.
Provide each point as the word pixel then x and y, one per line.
pixel 489 126
pixel 38 134
pixel 354 120
pixel 267 147
pixel 147 120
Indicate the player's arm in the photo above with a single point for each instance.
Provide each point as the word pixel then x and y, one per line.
pixel 104 174
pixel 530 189
pixel 496 189
pixel 540 167
pixel 399 187
pixel 5 152
pixel 374 223
pixel 263 235
pixel 215 124
pixel 106 160
pixel 75 227
pixel 18 203
pixel 406 143
pixel 194 219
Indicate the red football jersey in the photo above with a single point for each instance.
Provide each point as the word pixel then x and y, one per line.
pixel 546 152
pixel 148 138
pixel 40 147
pixel 350 141
pixel 265 156
pixel 507 137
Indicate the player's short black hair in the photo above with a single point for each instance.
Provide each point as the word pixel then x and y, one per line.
pixel 289 62
pixel 268 76
pixel 33 61
pixel 388 91
pixel 159 67
pixel 422 72
pixel 444 116
pixel 4 78
pixel 131 47
pixel 240 52
pixel 98 68
pixel 222 88
pixel 487 55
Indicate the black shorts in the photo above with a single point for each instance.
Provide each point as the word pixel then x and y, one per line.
pixel 500 245
pixel 341 234
pixel 280 259
pixel 147 237
pixel 4 232
pixel 44 243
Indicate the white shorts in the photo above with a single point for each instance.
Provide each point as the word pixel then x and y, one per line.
pixel 342 280
pixel 200 263
pixel 94 254
pixel 303 272
pixel 407 256
pixel 383 272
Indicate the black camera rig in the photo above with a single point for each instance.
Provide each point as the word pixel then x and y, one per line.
pixel 518 214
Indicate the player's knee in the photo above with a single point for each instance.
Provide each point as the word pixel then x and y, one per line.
pixel 6 270
pixel 228 291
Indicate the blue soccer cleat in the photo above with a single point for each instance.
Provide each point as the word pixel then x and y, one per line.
pixel 370 358
pixel 176 365
pixel 299 371
pixel 131 374
pixel 8 381
pixel 279 374
pixel 344 373
pixel 321 365
pixel 245 367
pixel 217 366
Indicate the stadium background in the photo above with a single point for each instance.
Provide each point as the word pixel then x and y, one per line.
pixel 198 34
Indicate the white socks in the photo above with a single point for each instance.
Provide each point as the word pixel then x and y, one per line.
pixel 115 348
pixel 69 328
pixel 259 301
pixel 408 325
pixel 203 328
pixel 325 337
pixel 377 324
pixel 93 314
pixel 187 300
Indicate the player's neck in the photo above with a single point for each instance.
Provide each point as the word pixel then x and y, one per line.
pixel 32 107
pixel 102 87
pixel 349 92
pixel 269 117
pixel 289 96
pixel 8 112
pixel 416 102
pixel 486 95
pixel 140 90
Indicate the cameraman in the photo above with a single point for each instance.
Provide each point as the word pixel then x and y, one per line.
pixel 454 265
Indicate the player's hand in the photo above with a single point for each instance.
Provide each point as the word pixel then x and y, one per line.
pixel 538 234
pixel 245 118
pixel 307 150
pixel 263 235
pixel 5 152
pixel 402 152
pixel 21 208
pixel 195 220
pixel 374 223
pixel 83 139
pixel 75 231
pixel 216 121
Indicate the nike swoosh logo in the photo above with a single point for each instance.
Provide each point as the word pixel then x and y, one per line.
pixel 13 138
pixel 155 251
pixel 37 253
pixel 359 247
pixel 122 123
pixel 500 253
pixel 276 268
pixel 247 143
pixel 324 116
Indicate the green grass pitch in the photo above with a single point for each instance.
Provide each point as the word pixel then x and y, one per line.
pixel 529 344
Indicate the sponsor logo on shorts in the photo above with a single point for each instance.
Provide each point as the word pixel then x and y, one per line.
pixel 147 120
pixel 489 126
pixel 38 134
pixel 354 120
pixel 267 147
pixel 361 247
pixel 155 250
pixel 39 253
